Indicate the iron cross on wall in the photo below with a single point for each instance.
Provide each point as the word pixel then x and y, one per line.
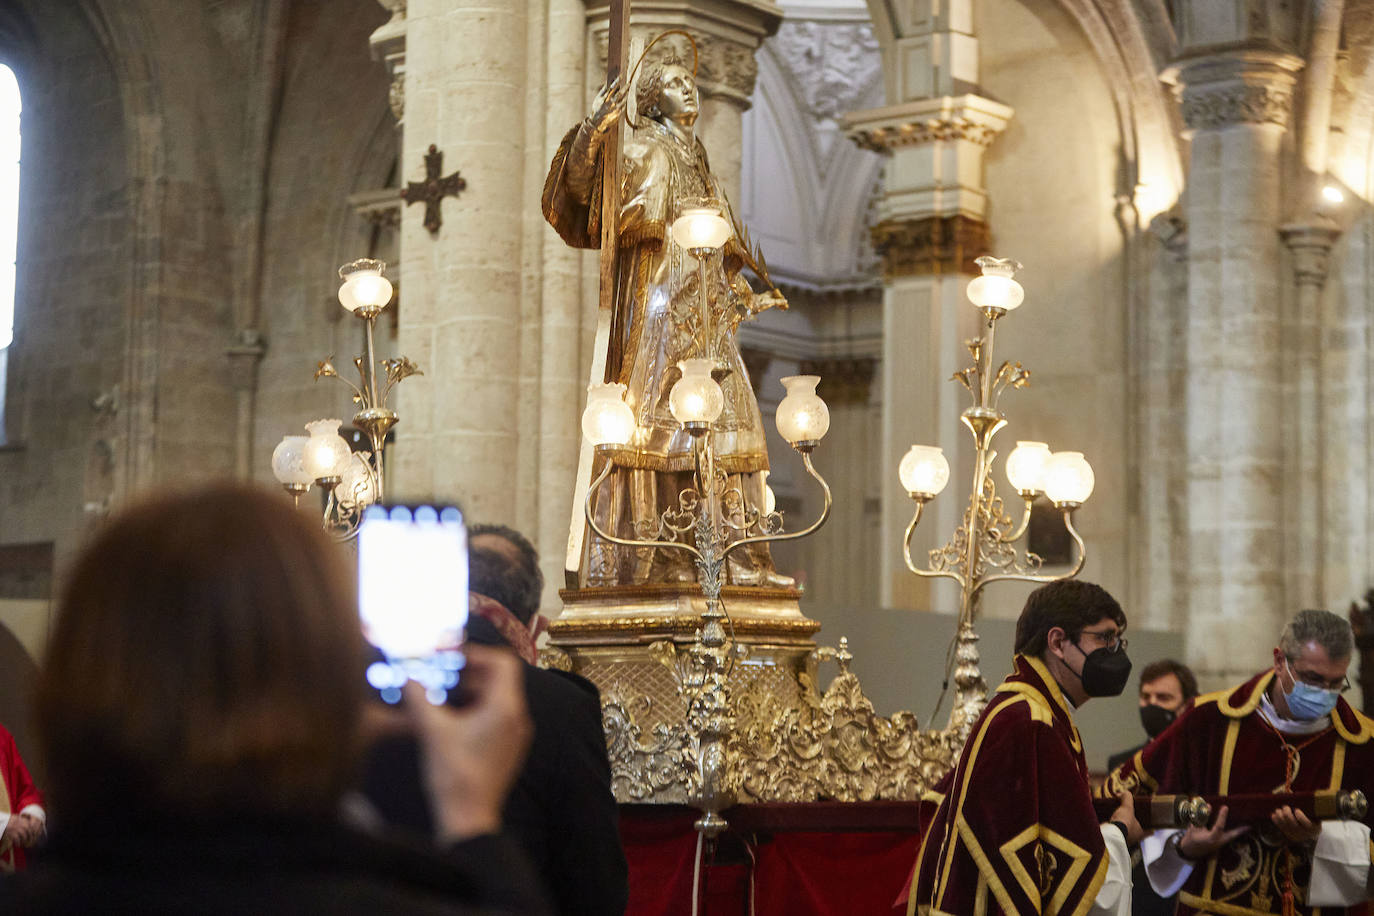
pixel 433 189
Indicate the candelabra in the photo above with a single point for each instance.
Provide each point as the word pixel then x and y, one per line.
pixel 713 512
pixel 352 480
pixel 984 548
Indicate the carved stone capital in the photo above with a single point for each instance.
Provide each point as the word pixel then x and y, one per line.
pixel 389 44
pixel 930 245
pixel 833 64
pixel 1235 87
pixel 1311 245
pixel 1172 232
pixel 727 35
pixel 969 118
pixel 727 70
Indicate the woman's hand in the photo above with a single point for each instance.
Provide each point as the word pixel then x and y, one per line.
pixel 472 753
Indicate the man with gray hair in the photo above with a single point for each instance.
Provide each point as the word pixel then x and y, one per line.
pixel 1286 730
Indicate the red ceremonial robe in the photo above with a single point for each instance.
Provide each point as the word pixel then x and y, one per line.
pixel 1015 832
pixel 1220 745
pixel 16 793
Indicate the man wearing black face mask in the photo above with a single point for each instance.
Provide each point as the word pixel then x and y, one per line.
pixel 1015 830
pixel 1287 729
pixel 1165 686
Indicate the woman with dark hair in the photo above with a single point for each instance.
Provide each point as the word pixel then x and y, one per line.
pixel 201 712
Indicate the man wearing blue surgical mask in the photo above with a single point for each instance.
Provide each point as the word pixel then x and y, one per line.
pixel 1287 729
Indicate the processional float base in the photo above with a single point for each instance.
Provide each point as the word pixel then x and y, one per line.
pixel 787 740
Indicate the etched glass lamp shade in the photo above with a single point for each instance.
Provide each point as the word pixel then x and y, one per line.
pixel 357 486
pixel 924 471
pixel 995 290
pixel 364 287
pixel 288 462
pixel 802 416
pixel 326 453
pixel 607 419
pixel 1068 479
pixel 696 398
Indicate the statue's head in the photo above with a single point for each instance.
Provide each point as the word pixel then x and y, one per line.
pixel 668 91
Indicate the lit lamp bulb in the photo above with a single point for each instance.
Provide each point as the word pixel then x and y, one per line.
pixel 288 464
pixel 364 288
pixel 924 472
pixel 802 417
pixel 326 452
pixel 1068 479
pixel 995 291
pixel 607 420
pixel 700 225
pixel 1026 467
pixel 696 399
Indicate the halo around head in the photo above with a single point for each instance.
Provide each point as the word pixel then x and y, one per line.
pixel 672 57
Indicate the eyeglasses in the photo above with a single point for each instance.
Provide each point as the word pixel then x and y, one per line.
pixel 1312 679
pixel 1112 640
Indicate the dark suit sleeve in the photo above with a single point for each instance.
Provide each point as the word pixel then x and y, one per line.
pixel 577 822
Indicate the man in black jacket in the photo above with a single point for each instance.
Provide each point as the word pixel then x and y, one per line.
pixel 561 810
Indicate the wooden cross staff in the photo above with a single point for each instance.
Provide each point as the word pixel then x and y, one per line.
pixel 617 59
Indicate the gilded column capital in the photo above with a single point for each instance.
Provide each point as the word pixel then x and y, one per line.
pixel 1311 245
pixel 922 246
pixel 1251 86
pixel 969 118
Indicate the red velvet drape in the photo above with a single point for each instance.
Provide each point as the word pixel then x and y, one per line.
pixel 794 873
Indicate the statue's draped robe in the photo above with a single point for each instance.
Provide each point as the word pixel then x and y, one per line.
pixel 1015 831
pixel 1220 745
pixel 656 321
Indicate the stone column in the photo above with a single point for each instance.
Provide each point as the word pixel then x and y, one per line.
pixel 1162 377
pixel 464 91
pixel 1310 246
pixel 1236 107
pixel 931 225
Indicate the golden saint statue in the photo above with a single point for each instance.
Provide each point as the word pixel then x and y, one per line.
pixel 656 320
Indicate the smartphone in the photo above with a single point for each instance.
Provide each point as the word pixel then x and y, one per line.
pixel 413 596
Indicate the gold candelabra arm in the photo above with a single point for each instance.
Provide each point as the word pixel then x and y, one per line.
pixel 614 539
pixel 1022 528
pixel 1067 509
pixel 793 535
pixel 911 564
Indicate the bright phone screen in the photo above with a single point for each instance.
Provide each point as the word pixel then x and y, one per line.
pixel 413 596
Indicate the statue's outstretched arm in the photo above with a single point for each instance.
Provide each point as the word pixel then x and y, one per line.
pixel 585 152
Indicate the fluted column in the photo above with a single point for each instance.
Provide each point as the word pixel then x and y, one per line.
pixel 1236 107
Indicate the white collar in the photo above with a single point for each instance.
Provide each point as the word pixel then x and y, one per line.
pixel 1290 726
